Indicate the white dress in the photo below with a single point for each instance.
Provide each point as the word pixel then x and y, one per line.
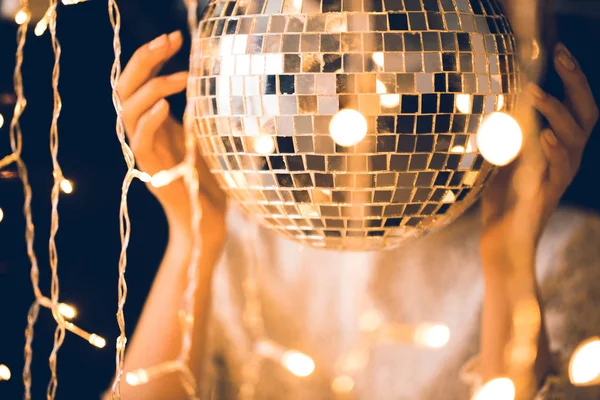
pixel 312 301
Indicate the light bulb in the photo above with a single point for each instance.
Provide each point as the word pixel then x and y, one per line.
pixel 584 367
pixel 161 178
pixel 40 27
pixel 463 103
pixel 342 384
pixel 145 177
pixel 264 144
pixel 66 186
pixel 4 373
pixel 1 214
pixel 348 127
pixel 67 310
pixel 97 341
pixel 297 363
pixel 497 389
pixel 136 378
pixel 1 120
pixel 21 17
pixel 434 336
pixel 499 138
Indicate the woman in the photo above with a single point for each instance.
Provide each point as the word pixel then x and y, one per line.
pixel 517 243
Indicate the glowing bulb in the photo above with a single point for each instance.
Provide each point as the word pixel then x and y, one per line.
pixel 463 103
pixel 499 138
pixel 348 127
pixel 4 373
pixel 264 144
pixel 21 17
pixel 66 186
pixel 97 341
pixel 1 214
pixel 434 336
pixel 161 178
pixel 584 367
pixel 1 120
pixel 145 177
pixel 370 321
pixel 136 378
pixel 342 384
pixel 497 389
pixel 67 311
pixel 297 363
pixel 40 27
pixel 378 58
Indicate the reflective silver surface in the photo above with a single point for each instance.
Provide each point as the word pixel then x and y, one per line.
pixel 268 77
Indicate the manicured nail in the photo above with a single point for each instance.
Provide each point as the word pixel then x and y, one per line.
pixel 179 76
pixel 158 42
pixel 566 58
pixel 536 91
pixel 550 137
pixel 158 106
pixel 176 35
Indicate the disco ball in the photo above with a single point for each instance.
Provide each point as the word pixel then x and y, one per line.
pixel 350 124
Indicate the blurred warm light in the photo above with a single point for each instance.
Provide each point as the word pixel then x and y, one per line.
pixel 67 310
pixel 4 373
pixel 136 378
pixel 161 178
pixel 348 127
pixel 432 335
pixel 297 363
pixel 21 17
pixel 386 100
pixel 584 367
pixel 458 149
pixel 1 214
pixel 1 120
pixel 497 389
pixel 40 27
pixel 370 321
pixel 66 186
pixel 264 144
pixel 145 177
pixel 342 384
pixel 499 138
pixel 378 58
pixel 464 103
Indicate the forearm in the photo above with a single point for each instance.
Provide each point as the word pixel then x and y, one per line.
pixel 508 313
pixel 157 336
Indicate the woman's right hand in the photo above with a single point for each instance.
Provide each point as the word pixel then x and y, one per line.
pixel 157 140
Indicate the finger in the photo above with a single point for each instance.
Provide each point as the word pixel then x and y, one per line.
pixel 143 139
pixel 559 116
pixel 147 61
pixel 148 95
pixel 579 96
pixel 562 166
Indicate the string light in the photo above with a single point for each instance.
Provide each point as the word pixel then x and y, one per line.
pixel 23 15
pixel 1 120
pixel 1 214
pixel 4 373
pixel 584 366
pixel 499 138
pixel 294 361
pixel 497 389
pixel 187 171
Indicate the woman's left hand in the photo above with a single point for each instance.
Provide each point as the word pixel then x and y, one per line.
pixel 520 200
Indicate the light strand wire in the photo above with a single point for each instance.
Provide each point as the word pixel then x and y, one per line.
pixel 187 171
pixel 124 222
pixel 16 142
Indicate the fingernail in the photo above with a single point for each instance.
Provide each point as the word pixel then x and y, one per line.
pixel 158 42
pixel 566 58
pixel 179 76
pixel 550 137
pixel 174 36
pixel 536 91
pixel 158 106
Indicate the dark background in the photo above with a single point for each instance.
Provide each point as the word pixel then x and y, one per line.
pixel 88 240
